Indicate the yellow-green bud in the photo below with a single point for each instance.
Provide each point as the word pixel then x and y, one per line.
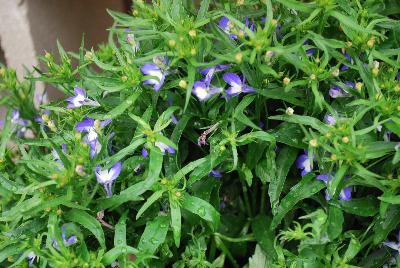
pixel 345 139
pixel 313 143
pixel 359 86
pixel 286 81
pixel 171 42
pixel 289 111
pixel 183 84
pixel 239 57
pixel 192 33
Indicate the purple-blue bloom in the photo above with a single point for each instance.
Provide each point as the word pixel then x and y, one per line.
pixel 56 157
pixel 67 241
pixel 215 69
pixel 89 125
pixel 80 99
pixel 31 258
pixel 225 25
pixel 310 52
pixel 237 85
pixel 158 69
pixel 215 173
pixel 394 245
pixel 303 163
pixel 338 92
pixel 107 177
pixel 344 195
pixel 345 67
pixel 329 119
pixel 162 146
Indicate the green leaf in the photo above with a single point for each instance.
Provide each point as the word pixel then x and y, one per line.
pixel 264 235
pixel 188 168
pixel 386 223
pixel 191 76
pixel 297 5
pixel 6 133
pixel 284 161
pixel 303 120
pixel 130 149
pixel 307 187
pixel 115 252
pixel 201 208
pixel 176 222
pixel 202 10
pixel 349 22
pixel 352 250
pixel 153 198
pixel 334 222
pixel 89 222
pixel 364 206
pixel 258 260
pixel 154 235
pixel 120 109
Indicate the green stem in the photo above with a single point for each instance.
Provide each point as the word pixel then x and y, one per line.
pixel 249 237
pixel 263 198
pixel 246 199
pixel 226 251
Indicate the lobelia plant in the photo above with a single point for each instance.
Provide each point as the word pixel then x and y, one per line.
pixel 210 134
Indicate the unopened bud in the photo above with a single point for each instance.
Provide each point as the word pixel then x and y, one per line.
pixel 80 170
pixel 192 33
pixel 78 136
pixel 239 2
pixel 335 73
pixel 397 88
pixel 345 139
pixel 359 86
pixel 375 71
pixel 274 22
pixel 269 54
pixel 286 81
pixel 178 194
pixel 171 42
pixel 2 71
pixel 124 78
pixel 313 77
pixel 97 124
pixel 289 111
pixel 59 212
pixel 371 42
pixel 193 51
pixel 239 57
pixel 183 84
pixel 333 157
pixel 89 55
pixel 47 55
pixel 313 143
pixel 349 44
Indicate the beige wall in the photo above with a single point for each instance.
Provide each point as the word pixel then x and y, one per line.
pixel 31 27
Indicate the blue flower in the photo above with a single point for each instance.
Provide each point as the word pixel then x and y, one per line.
pixel 303 163
pixel 394 245
pixel 107 177
pixel 91 126
pixel 158 69
pixel 215 173
pixel 329 119
pixel 56 157
pixel 345 67
pixel 31 257
pixel 226 25
pixel 67 241
pixel 344 195
pixel 338 92
pixel 80 99
pixel 130 38
pixel 237 85
pixel 162 146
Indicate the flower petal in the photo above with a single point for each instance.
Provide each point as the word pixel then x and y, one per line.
pixel 233 79
pixel 115 171
pixel 85 125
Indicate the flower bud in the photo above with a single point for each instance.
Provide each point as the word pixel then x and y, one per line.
pixel 286 81
pixel 80 170
pixel 333 157
pixel 97 124
pixel 397 88
pixel 239 2
pixel 359 86
pixel 192 33
pixel 345 139
pixel 349 44
pixel 269 54
pixel 193 51
pixel 178 194
pixel 274 22
pixel 335 73
pixel 239 57
pixel 183 84
pixel 135 12
pixel 164 181
pixel 313 143
pixel 88 55
pixel 313 77
pixel 371 42
pixel 45 118
pixel 171 42
pixel 59 212
pixel 78 136
pixel 47 55
pixel 124 78
pixel 2 71
pixel 375 71
pixel 289 111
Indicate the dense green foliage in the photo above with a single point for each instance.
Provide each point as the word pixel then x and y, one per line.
pixel 209 175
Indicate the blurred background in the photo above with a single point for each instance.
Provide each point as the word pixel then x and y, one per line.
pixel 31 27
